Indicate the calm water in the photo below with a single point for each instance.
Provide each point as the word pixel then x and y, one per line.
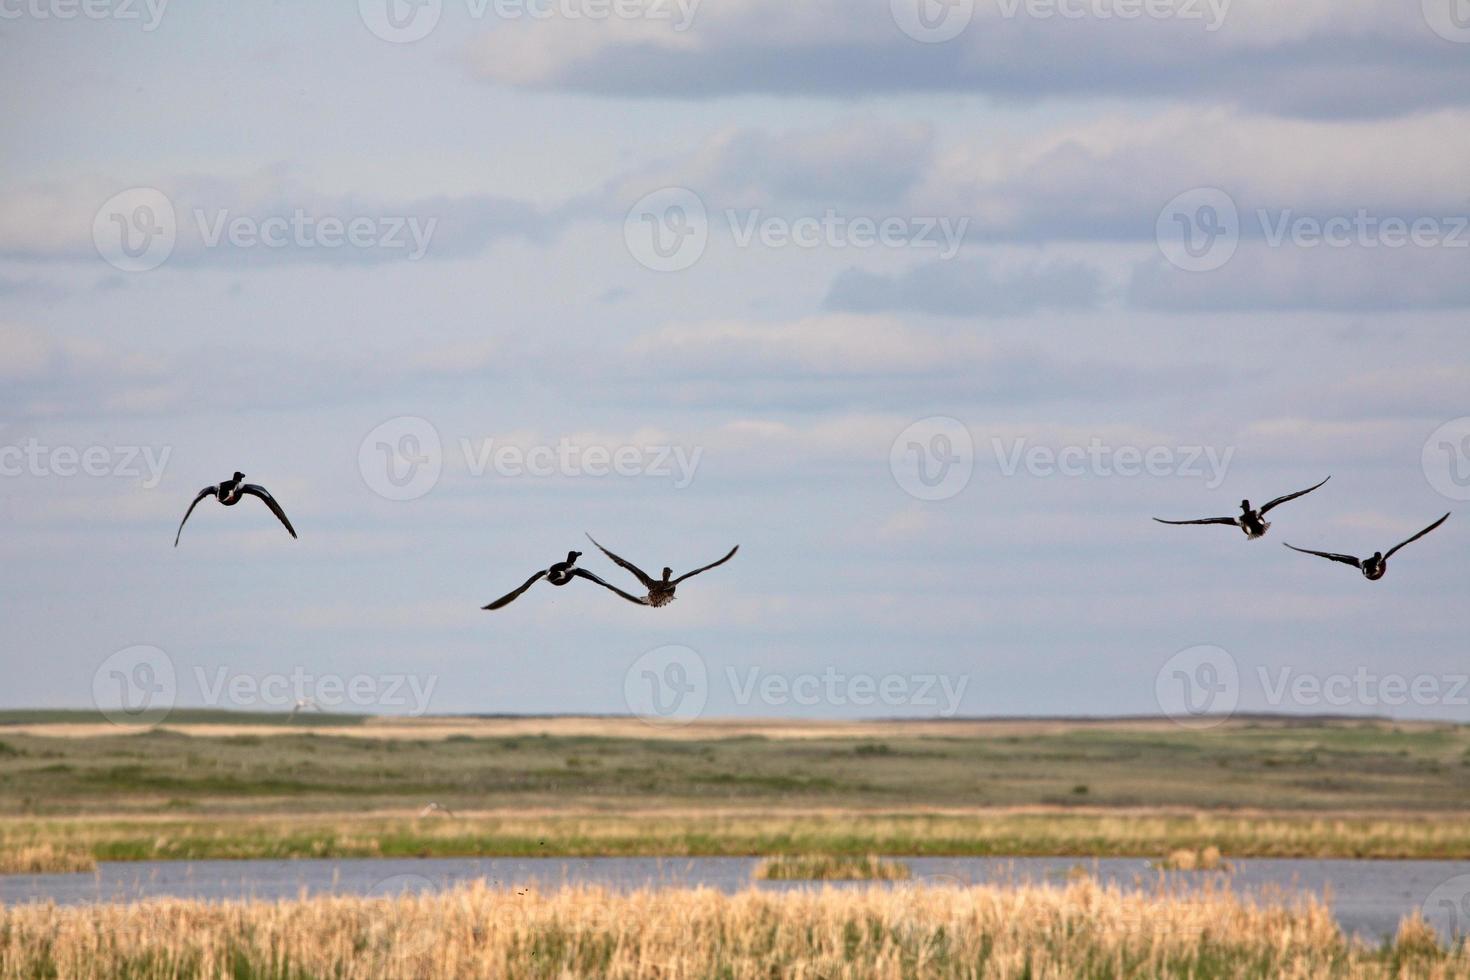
pixel 1368 897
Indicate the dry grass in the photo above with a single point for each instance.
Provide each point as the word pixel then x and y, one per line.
pixel 829 867
pixel 225 724
pixel 1204 859
pixel 45 859
pixel 741 832
pixel 1081 930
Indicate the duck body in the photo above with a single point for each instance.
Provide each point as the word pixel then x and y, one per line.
pixel 563 571
pixel 230 492
pixel 1252 524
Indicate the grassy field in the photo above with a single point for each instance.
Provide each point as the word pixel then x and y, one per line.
pixel 1081 930
pixel 229 785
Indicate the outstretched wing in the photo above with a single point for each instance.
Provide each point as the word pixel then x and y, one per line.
pixel 1345 559
pixel 640 573
pixel 1416 537
pixel 207 491
pixel 509 597
pixel 707 567
pixel 256 490
pixel 1202 520
pixel 1291 496
pixel 588 575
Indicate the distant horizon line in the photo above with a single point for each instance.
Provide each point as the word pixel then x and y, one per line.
pixel 8 716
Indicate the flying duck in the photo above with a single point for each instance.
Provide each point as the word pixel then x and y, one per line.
pixel 560 574
pixel 1374 567
pixel 230 492
pixel 1250 520
pixel 660 591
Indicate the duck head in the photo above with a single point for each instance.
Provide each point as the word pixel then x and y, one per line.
pixel 572 557
pixel 667 573
pixel 1245 506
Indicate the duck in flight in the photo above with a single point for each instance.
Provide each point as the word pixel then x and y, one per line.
pixel 230 492
pixel 1250 520
pixel 660 591
pixel 560 574
pixel 1374 567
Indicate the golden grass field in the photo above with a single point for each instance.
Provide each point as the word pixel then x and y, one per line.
pixel 75 789
pixel 1081 930
pixel 814 799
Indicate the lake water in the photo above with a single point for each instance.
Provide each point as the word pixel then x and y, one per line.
pixel 1367 897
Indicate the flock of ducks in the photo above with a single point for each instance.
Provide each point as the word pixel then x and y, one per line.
pixel 1251 521
pixel 660 591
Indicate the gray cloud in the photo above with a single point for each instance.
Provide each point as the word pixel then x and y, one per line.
pixel 1369 58
pixel 1286 278
pixel 268 219
pixel 969 288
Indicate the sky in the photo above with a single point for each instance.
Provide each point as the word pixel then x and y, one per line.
pixel 928 305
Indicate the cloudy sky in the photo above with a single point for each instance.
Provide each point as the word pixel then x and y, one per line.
pixel 930 307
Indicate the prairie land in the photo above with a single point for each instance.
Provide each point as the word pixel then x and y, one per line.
pixel 218 785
